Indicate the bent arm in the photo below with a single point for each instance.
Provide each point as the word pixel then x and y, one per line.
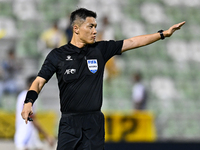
pixel 36 86
pixel 142 40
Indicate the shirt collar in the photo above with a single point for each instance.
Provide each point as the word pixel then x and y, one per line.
pixel 76 49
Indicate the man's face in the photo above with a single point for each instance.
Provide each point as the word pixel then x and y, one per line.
pixel 87 30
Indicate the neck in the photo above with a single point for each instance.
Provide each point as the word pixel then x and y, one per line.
pixel 77 42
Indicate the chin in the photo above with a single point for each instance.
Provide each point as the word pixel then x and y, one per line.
pixel 92 42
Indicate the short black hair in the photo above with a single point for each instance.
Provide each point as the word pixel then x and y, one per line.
pixel 82 13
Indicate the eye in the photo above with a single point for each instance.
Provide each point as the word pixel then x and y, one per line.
pixel 91 26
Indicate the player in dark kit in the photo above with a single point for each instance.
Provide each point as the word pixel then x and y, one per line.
pixel 79 67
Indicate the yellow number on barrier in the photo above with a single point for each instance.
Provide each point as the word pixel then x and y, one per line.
pixel 129 128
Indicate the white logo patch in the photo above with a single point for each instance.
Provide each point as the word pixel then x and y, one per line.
pixel 68 57
pixel 70 71
pixel 92 65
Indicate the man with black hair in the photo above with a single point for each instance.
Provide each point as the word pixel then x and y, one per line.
pixel 79 67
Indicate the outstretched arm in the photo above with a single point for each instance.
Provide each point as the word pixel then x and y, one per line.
pixel 36 86
pixel 142 40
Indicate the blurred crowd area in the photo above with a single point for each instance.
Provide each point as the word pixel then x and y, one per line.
pixel 29 29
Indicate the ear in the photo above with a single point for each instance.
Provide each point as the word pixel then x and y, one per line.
pixel 76 29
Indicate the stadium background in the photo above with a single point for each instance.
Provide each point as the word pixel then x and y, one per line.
pixel 170 67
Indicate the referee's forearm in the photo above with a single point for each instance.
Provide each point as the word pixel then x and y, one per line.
pixel 37 84
pixel 139 41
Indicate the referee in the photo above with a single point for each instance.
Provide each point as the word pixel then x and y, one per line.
pixel 79 67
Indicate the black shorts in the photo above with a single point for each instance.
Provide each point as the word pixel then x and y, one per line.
pixel 81 131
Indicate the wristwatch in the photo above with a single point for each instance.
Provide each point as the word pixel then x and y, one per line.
pixel 161 34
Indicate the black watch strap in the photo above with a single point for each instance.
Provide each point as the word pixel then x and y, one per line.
pixel 161 34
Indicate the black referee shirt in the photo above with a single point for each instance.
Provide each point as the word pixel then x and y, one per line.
pixel 80 73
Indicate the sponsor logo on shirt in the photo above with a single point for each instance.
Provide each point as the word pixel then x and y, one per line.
pixel 68 58
pixel 92 65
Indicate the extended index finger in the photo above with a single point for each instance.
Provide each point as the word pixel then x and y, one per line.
pixel 25 116
pixel 27 111
pixel 181 24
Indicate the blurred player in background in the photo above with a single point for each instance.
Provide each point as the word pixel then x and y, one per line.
pixel 139 92
pixel 79 67
pixel 27 135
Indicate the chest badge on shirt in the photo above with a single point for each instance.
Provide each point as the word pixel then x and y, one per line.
pixel 92 65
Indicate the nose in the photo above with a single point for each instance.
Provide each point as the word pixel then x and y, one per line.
pixel 95 31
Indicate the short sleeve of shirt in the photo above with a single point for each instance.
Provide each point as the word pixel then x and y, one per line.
pixel 111 48
pixel 49 66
